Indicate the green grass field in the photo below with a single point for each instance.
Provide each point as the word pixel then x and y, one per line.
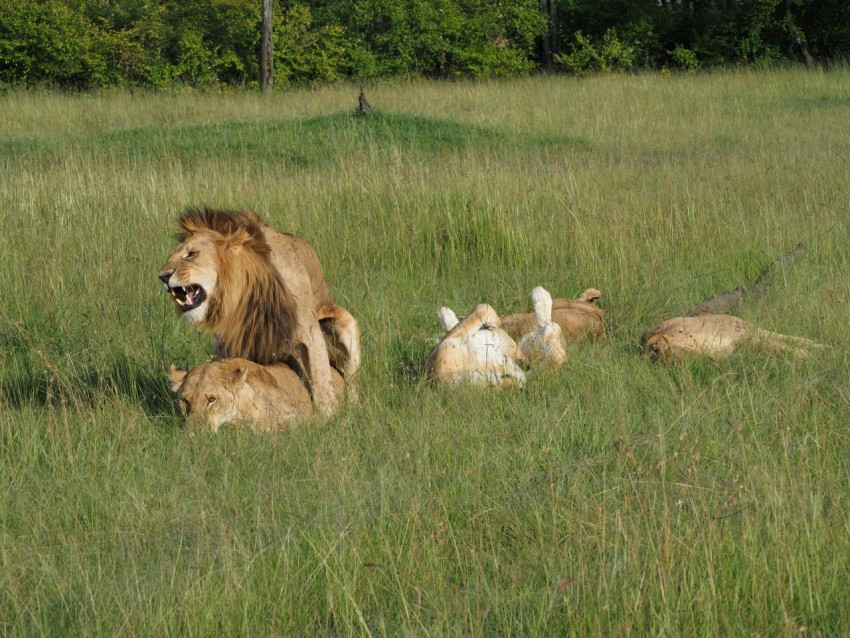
pixel 611 497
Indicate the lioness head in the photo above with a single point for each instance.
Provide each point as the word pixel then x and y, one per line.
pixel 657 345
pixel 229 390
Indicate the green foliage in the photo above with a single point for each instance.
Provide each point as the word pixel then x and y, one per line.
pixel 146 38
pixel 716 32
pixel 684 59
pixel 215 41
pixel 446 38
pixel 86 44
pixel 95 43
pixel 305 52
pixel 610 55
pixel 49 43
pixel 824 26
pixel 90 43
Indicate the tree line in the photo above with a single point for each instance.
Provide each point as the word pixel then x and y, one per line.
pixel 85 44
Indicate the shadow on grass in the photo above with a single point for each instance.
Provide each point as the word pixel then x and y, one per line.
pixel 408 356
pixel 84 388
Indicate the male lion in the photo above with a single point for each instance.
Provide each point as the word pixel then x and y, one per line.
pixel 475 350
pixel 577 317
pixel 264 296
pixel 675 338
pixel 266 397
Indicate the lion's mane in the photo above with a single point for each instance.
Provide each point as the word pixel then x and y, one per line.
pixel 252 311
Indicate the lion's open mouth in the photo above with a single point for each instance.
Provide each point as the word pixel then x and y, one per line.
pixel 188 298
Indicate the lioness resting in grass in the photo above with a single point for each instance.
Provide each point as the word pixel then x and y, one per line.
pixel 475 350
pixel 264 296
pixel 716 335
pixel 544 347
pixel 267 398
pixel 577 317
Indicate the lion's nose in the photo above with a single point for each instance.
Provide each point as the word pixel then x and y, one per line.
pixel 165 275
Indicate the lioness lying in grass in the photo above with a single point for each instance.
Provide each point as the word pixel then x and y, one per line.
pixel 544 346
pixel 475 350
pixel 675 338
pixel 577 317
pixel 265 397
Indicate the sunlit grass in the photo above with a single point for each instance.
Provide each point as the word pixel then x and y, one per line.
pixel 612 497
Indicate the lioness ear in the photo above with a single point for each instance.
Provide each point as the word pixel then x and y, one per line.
pixel 591 294
pixel 240 373
pixel 176 375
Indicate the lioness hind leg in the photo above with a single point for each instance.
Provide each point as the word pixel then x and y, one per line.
pixel 482 317
pixel 342 336
pixel 798 346
pixel 447 318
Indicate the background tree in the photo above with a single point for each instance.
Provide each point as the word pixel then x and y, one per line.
pixel 83 44
pixel 266 49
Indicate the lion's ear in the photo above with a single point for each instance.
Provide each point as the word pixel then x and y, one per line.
pixel 238 240
pixel 188 225
pixel 186 230
pixel 176 375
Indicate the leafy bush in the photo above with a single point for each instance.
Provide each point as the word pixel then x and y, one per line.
pixel 144 60
pixel 440 38
pixel 47 42
pixel 611 55
pixel 214 41
pixel 684 59
pixel 304 52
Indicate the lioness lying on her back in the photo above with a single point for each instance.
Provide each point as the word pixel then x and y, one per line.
pixel 266 397
pixel 577 317
pixel 543 347
pixel 478 351
pixel 475 350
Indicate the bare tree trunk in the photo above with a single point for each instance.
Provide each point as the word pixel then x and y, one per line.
pixel 266 50
pixel 553 27
pixel 797 36
pixel 546 40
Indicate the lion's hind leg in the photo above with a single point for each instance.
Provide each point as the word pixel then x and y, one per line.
pixel 342 335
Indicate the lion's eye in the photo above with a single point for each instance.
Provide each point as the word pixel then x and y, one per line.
pixel 210 400
pixel 191 254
